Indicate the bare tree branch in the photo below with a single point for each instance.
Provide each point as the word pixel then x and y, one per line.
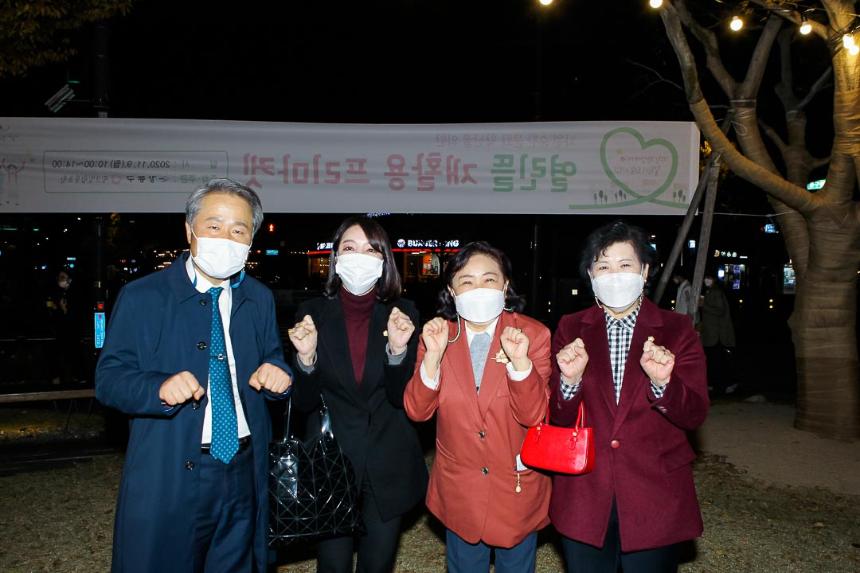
pixel 709 41
pixel 758 63
pixel 820 162
pixel 819 85
pixel 776 186
pixel 785 87
pixel 774 136
pixel 660 77
pixel 794 17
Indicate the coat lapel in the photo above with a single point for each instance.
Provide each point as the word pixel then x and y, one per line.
pixel 597 347
pixel 461 369
pixel 495 373
pixel 648 323
pixel 375 356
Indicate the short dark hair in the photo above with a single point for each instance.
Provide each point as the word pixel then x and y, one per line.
pixel 388 287
pixel 447 308
pixel 617 231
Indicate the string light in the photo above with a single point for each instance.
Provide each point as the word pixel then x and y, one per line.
pixel 850 44
pixel 805 26
pixel 736 24
pixel 655 3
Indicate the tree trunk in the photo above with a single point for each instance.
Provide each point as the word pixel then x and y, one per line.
pixel 822 230
pixel 823 331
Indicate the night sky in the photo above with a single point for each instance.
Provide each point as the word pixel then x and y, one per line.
pixel 439 61
pixel 378 62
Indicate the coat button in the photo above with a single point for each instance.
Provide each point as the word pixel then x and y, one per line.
pixel 189 465
pixel 482 434
pixel 201 345
pixel 615 444
pixel 485 470
pixel 203 302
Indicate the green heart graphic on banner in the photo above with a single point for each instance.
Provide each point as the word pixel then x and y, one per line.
pixel 636 196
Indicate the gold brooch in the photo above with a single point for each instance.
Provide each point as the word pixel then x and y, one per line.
pixel 502 357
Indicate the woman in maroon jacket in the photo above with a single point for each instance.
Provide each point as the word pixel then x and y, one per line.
pixel 640 372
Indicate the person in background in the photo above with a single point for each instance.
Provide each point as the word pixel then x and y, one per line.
pixel 66 319
pixel 484 371
pixel 684 303
pixel 356 347
pixel 640 372
pixel 191 355
pixel 718 337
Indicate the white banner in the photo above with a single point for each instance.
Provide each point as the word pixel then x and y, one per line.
pixel 55 165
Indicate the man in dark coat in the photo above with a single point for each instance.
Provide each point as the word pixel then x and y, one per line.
pixel 190 355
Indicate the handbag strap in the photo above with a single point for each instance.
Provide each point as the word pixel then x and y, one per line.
pixel 287 417
pixel 325 421
pixel 580 415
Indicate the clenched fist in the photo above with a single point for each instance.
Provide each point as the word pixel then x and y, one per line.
pixel 435 337
pixel 657 362
pixel 572 360
pixel 400 329
pixel 304 338
pixel 180 388
pixel 515 343
pixel 271 378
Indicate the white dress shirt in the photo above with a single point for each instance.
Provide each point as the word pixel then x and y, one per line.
pixel 225 305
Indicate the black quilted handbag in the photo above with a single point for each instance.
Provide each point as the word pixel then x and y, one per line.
pixel 312 489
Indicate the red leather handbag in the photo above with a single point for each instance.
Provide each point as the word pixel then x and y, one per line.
pixel 558 449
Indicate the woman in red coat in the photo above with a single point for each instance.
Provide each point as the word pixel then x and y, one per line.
pixel 484 371
pixel 640 371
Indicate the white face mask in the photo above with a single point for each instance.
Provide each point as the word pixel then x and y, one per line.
pixel 358 272
pixel 480 305
pixel 220 258
pixel 618 290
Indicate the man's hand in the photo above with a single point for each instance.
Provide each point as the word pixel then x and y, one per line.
pixel 180 388
pixel 400 329
pixel 271 378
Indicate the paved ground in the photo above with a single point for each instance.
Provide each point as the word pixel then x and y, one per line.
pixel 760 438
pixel 762 513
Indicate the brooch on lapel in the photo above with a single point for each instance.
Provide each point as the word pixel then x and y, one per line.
pixel 501 357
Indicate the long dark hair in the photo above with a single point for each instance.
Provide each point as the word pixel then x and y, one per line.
pixel 617 232
pixel 447 308
pixel 388 287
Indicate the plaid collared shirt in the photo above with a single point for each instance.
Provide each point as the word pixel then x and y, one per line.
pixel 619 331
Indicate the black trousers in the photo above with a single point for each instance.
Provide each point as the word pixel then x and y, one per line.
pixel 584 558
pixel 377 547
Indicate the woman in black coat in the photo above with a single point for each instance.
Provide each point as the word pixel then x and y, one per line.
pixel 356 346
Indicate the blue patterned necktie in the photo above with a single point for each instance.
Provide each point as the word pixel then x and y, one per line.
pixel 225 436
pixel 478 350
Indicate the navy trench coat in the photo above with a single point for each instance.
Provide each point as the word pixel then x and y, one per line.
pixel 161 326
